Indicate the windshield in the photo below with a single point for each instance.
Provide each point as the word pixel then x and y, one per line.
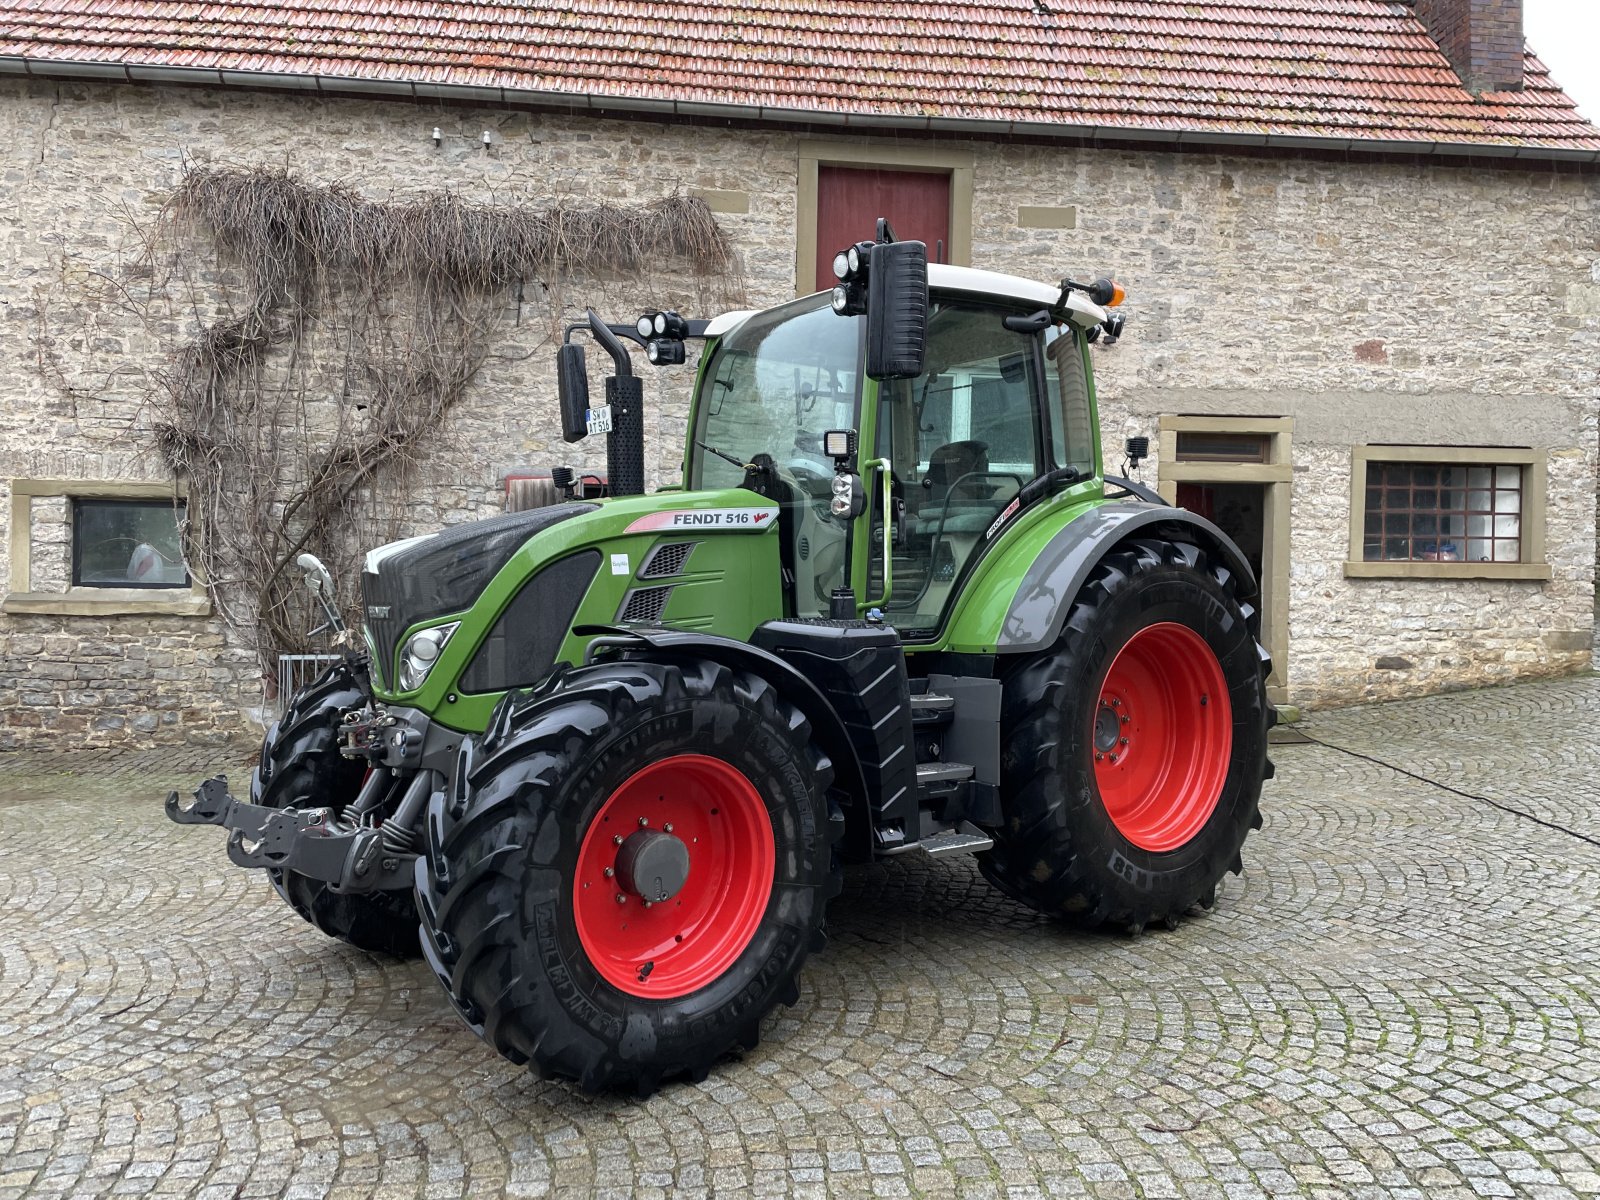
pixel 774 386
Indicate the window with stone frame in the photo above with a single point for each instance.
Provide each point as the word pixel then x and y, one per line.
pixel 95 547
pixel 1447 511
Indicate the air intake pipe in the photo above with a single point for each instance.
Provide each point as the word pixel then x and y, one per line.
pixel 625 395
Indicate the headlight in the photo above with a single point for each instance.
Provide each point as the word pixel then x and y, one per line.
pixel 421 652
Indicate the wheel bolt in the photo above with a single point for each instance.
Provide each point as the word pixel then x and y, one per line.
pixel 609 872
pixel 616 839
pixel 643 821
pixel 1126 718
pixel 1122 741
pixel 1113 760
pixel 1116 703
pixel 1098 756
pixel 667 828
pixel 621 899
pixel 647 904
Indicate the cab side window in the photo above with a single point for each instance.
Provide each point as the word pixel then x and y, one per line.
pixel 1071 422
pixel 964 439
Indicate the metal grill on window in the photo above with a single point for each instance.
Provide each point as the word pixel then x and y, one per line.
pixel 644 604
pixel 1443 512
pixel 666 560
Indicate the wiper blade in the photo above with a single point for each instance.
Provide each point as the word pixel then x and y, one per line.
pixel 743 466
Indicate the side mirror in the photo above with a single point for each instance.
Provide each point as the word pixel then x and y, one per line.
pixel 572 382
pixel 317 577
pixel 897 310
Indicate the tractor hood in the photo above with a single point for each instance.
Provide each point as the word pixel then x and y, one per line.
pixel 412 580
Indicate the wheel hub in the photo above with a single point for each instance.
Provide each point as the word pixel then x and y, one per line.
pixel 653 865
pixel 1107 728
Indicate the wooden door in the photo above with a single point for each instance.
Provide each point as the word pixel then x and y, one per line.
pixel 851 199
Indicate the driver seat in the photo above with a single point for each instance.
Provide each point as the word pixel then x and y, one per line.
pixel 949 464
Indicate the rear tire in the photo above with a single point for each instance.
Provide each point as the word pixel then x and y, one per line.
pixel 1103 831
pixel 528 852
pixel 301 767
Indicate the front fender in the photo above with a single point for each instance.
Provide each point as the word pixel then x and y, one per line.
pixel 826 725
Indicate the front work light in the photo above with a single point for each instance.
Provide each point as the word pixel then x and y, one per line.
pixel 666 324
pixel 841 265
pixel 839 443
pixel 665 352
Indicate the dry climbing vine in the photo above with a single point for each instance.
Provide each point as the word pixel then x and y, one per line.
pixel 336 334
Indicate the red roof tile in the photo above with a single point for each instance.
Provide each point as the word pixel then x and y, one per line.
pixel 1349 69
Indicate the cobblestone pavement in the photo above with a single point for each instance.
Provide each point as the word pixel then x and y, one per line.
pixel 1400 997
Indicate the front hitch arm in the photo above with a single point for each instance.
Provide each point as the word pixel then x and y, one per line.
pixel 307 841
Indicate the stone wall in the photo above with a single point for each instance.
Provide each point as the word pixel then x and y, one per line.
pixel 1370 301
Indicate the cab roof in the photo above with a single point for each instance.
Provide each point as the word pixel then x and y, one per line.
pixel 973 282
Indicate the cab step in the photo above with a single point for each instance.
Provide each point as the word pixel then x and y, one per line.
pixel 932 708
pixel 968 839
pixel 935 774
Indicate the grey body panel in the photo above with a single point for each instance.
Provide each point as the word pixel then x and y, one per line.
pixel 1039 608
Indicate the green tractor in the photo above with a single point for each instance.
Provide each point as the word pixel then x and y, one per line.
pixel 604 762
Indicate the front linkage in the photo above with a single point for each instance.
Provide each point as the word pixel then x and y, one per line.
pixel 368 845
pixel 318 843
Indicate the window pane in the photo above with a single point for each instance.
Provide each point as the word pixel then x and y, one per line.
pixel 1223 447
pixel 1427 512
pixel 124 543
pixel 1071 436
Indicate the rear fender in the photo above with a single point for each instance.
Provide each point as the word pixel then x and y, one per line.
pixel 1057 574
pixel 826 726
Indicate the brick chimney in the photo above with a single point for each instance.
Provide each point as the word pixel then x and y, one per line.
pixel 1481 38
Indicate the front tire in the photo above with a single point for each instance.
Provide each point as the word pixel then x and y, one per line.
pixel 1136 748
pixel 688 785
pixel 301 767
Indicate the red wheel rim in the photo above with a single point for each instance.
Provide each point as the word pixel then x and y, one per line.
pixel 674 946
pixel 1162 736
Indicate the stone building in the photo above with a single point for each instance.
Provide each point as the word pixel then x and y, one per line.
pixel 1361 240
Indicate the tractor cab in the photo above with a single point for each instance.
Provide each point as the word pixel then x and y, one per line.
pixel 1002 401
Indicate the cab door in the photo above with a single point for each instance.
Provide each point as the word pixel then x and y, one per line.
pixel 962 439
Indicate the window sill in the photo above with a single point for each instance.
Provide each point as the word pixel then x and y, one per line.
pixel 111 602
pixel 1446 570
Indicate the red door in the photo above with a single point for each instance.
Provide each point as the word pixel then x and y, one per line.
pixel 851 199
pixel 1198 499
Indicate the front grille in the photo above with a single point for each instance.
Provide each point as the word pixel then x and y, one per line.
pixel 644 604
pixel 666 560
pixel 381 594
